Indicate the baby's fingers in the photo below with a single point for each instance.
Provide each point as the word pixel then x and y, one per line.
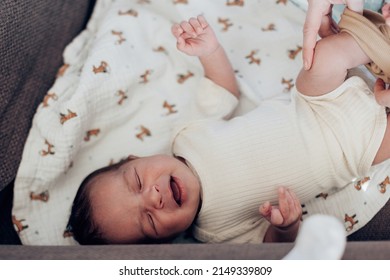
pixel 271 214
pixel 284 202
pixel 176 30
pixel 297 203
pixel 203 22
pixel 276 217
pixel 265 210
pixel 379 85
pixel 295 206
pixel 187 27
pixel 196 25
pixel 289 206
pixel 381 93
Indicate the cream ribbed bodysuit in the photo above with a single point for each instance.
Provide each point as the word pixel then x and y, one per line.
pixel 309 145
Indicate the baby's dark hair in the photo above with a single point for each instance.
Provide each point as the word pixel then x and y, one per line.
pixel 84 229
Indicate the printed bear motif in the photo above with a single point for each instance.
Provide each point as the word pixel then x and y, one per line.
pixel 252 58
pixel 238 3
pixel 145 132
pixel 43 196
pixel 351 220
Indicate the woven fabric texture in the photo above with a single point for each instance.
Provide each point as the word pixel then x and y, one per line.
pixel 33 34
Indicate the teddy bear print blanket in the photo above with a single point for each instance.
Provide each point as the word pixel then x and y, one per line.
pixel 124 85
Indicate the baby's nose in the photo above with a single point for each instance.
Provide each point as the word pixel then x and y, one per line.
pixel 155 197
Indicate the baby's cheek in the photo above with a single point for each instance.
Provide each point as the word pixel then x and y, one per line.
pixel 175 224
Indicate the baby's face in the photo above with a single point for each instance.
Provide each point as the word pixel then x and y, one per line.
pixel 147 198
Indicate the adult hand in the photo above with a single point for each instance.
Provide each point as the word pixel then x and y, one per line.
pixel 386 13
pixel 318 16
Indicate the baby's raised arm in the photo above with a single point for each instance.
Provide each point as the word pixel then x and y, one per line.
pixel 196 37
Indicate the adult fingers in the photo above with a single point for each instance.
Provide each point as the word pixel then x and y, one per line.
pixel 386 13
pixel 328 27
pixel 310 30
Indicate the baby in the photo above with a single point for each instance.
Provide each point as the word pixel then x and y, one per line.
pixel 221 170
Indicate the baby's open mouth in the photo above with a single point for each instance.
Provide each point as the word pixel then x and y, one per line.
pixel 175 191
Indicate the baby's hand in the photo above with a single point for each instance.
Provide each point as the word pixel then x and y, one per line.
pixel 195 37
pixel 287 213
pixel 382 93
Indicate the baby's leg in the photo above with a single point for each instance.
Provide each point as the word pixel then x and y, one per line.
pixel 333 56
